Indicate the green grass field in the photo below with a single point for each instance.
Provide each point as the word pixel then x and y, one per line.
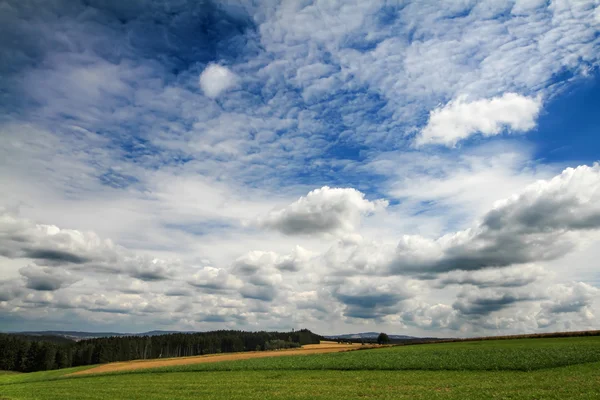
pixel 505 369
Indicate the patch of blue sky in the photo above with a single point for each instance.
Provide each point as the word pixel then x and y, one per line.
pixel 567 130
pixel 117 180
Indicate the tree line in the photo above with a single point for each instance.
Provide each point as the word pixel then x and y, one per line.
pixel 31 353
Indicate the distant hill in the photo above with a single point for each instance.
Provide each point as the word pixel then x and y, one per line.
pixel 372 337
pixel 76 335
pixel 56 339
pixel 369 335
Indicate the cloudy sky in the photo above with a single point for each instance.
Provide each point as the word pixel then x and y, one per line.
pixel 418 168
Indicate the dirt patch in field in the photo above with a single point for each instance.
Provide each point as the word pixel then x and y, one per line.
pixel 324 347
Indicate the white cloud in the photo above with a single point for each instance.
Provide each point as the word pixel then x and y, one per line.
pixel 544 222
pixel 525 7
pixel 568 305
pixel 216 79
pixel 459 185
pixel 569 201
pixel 430 317
pixel 260 272
pixel 570 297
pixel 214 279
pixel 461 119
pixel 325 210
pixel 515 276
pixel 49 245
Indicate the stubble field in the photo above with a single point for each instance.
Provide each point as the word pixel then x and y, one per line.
pixel 322 348
pixel 558 368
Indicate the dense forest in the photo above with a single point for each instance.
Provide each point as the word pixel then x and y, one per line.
pixel 39 353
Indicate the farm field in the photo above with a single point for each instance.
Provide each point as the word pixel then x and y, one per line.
pixel 322 348
pixel 556 368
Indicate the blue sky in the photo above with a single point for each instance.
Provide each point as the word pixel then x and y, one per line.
pixel 426 168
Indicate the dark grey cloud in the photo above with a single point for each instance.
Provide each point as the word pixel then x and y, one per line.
pixel 184 307
pixel 574 305
pixel 210 287
pixel 537 225
pixel 10 289
pixel 150 276
pixel 130 290
pixel 45 278
pixel 221 318
pixel 517 276
pixel 151 309
pixel 109 310
pixel 55 256
pixel 178 293
pixel 370 297
pixel 248 266
pixel 324 210
pixel 212 318
pixel 548 213
pixel 289 266
pixel 369 306
pixel 257 275
pixel 570 298
pixel 486 302
pixel 264 292
pixel 486 249
pixel 149 269
pixel 83 252
pixel 369 300
pixel 49 245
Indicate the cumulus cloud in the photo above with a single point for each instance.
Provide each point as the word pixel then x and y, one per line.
pixel 567 202
pixel 46 278
pixel 178 292
pixel 150 269
pixel 49 245
pixel 297 260
pixel 515 276
pixel 487 301
pixel 9 290
pixel 430 317
pixel 461 119
pixel 214 280
pixel 324 210
pixel 257 270
pixel 569 297
pixel 374 297
pixel 542 223
pixel 216 79
pixel 46 243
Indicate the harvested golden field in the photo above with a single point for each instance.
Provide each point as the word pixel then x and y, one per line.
pixel 323 347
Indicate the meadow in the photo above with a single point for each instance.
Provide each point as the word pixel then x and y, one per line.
pixel 556 368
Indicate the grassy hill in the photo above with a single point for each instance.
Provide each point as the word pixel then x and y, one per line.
pixel 555 368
